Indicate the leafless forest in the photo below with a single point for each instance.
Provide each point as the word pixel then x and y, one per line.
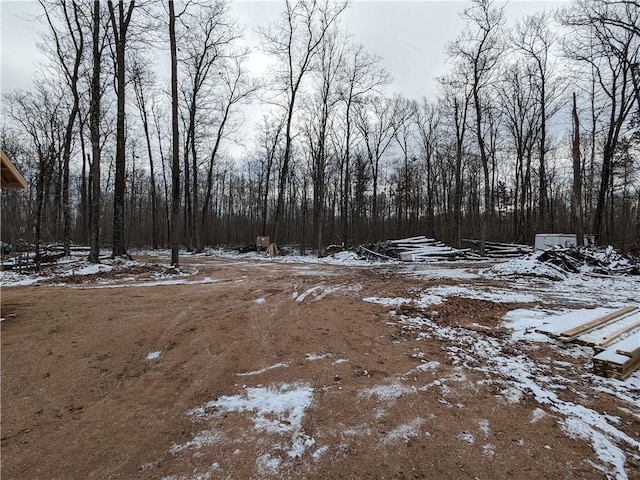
pixel 125 136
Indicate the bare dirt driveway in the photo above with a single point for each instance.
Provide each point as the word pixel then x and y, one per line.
pixel 257 369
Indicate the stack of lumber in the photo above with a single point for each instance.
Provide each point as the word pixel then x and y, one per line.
pixel 413 249
pixel 619 360
pixel 416 249
pixel 614 336
pixel 500 249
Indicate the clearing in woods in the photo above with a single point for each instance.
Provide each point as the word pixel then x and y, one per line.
pixel 258 368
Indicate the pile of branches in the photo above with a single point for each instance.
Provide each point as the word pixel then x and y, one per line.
pixel 599 261
pixel 384 250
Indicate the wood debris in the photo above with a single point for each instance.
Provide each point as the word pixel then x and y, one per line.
pixel 500 249
pixel 596 261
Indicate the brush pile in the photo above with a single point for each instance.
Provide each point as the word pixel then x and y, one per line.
pixel 596 261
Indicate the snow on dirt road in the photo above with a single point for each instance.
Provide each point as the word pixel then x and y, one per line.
pixel 249 367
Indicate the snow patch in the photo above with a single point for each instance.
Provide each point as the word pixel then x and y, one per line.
pixel 489 450
pixel 492 295
pixel 268 465
pixel 202 439
pixel 512 394
pixel 387 392
pixel 428 366
pixel 319 452
pixel 606 450
pixel 467 437
pixel 483 424
pixel 312 357
pixel 274 409
pixel 278 408
pixel 528 266
pixel 387 302
pixel 405 431
pixel 262 370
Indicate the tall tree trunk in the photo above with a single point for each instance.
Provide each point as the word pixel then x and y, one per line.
pixel 94 125
pixel 214 154
pixel 154 195
pixel 175 145
pixel 284 172
pixel 346 179
pixel 120 24
pixel 66 154
pixel 142 105
pixel 576 199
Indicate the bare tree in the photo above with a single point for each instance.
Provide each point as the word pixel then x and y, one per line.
pixel 456 99
pixel 361 76
pixel 481 50
pixel 612 54
pixel 235 88
pixel 535 39
pixel 269 145
pixel 321 111
pixel 294 42
pixel 428 121
pixel 143 80
pixel 576 198
pixel 521 110
pixel 41 115
pixel 120 19
pixel 69 51
pixel 175 145
pixel 205 45
pixel 378 122
pixel 94 126
pixel 405 138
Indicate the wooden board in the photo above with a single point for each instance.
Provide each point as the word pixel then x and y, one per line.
pixel 617 334
pixel 556 325
pixel 601 337
pixel 573 333
pixel 419 239
pixel 630 346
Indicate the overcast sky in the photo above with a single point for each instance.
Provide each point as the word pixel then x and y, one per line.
pixel 410 36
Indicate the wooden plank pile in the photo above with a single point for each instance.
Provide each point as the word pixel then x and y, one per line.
pixel 500 249
pixel 620 360
pixel 615 338
pixel 414 249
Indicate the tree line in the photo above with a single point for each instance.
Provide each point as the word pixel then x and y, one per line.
pixel 534 128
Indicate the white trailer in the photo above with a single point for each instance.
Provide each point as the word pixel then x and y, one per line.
pixel 548 240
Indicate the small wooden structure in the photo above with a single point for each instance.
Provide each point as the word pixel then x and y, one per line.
pixel 262 243
pixel 11 177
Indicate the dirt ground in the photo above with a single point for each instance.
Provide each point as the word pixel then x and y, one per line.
pixel 83 399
